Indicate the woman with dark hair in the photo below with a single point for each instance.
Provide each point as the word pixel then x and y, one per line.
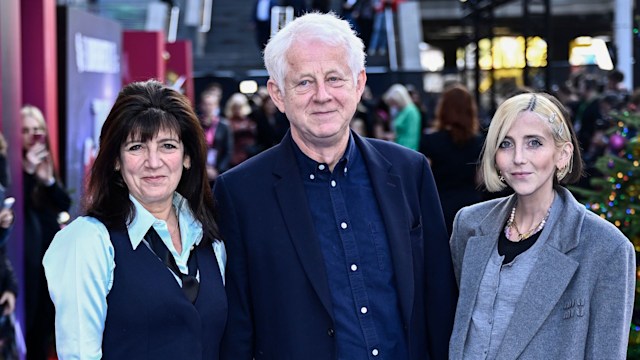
pixel 149 226
pixel 453 151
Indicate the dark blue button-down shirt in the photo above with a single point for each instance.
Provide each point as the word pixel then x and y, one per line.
pixel 349 226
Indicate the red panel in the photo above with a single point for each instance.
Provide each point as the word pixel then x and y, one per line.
pixel 181 63
pixel 143 53
pixel 39 63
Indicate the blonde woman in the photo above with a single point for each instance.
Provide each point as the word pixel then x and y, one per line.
pixel 44 199
pixel 540 277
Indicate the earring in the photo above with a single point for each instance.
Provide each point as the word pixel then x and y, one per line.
pixel 117 167
pixel 501 178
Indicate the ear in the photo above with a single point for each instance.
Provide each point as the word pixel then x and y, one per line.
pixel 565 155
pixel 276 94
pixel 361 82
pixel 186 162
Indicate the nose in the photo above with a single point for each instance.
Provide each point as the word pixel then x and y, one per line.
pixel 519 155
pixel 153 158
pixel 322 95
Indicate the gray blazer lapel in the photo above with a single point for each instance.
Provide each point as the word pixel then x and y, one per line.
pixel 476 255
pixel 549 277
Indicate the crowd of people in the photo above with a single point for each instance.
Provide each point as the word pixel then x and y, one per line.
pixel 315 220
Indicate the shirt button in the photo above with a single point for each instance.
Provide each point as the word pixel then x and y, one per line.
pixel 331 332
pixel 321 166
pixel 343 225
pixel 345 170
pixel 354 267
pixel 333 183
pixel 312 176
pixel 375 352
pixel 364 310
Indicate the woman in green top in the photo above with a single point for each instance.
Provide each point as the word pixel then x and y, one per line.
pixel 406 116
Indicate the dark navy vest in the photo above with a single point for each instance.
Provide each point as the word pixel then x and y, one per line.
pixel 148 315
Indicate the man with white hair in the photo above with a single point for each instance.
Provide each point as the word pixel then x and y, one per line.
pixel 337 247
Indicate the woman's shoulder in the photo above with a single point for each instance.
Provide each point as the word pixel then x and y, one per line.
pixel 602 232
pixel 84 232
pixel 84 224
pixel 84 238
pixel 483 207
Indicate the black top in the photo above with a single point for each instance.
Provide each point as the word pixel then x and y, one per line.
pixel 454 170
pixel 511 249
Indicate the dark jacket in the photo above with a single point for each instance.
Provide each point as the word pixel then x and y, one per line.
pixel 279 301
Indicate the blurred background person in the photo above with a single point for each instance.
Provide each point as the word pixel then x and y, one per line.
pixel 406 120
pixel 217 132
pixel 416 97
pixel 8 290
pixel 243 128
pixel 262 21
pixel 453 150
pixel 44 199
pixel 149 226
pixel 5 177
pixel 271 124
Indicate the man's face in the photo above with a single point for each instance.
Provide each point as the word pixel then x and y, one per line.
pixel 320 96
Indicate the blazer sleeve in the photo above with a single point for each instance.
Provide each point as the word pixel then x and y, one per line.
pixel 456 244
pixel 612 306
pixel 441 290
pixel 237 341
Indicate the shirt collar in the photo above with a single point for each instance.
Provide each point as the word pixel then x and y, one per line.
pixel 143 220
pixel 310 168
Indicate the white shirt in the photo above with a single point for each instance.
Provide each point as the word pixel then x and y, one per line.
pixel 79 267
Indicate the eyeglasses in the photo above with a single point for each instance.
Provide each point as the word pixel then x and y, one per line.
pixel 32 130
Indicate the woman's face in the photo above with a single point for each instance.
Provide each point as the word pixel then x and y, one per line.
pixel 152 170
pixel 32 132
pixel 528 156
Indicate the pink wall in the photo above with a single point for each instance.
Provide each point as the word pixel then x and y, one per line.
pixel 39 63
pixel 181 62
pixel 143 53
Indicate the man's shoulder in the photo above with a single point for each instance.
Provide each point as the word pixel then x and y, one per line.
pixel 391 149
pixel 260 163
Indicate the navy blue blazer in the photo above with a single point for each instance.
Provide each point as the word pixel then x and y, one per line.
pixel 278 293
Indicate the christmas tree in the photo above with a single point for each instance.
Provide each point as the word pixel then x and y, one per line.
pixel 615 195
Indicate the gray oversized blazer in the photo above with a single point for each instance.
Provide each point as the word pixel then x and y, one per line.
pixel 578 300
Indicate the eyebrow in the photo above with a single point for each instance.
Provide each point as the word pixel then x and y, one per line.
pixel 158 140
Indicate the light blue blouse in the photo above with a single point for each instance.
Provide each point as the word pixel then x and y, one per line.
pixel 79 268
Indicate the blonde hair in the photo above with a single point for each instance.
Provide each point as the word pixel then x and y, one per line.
pixel 552 113
pixel 238 99
pixel 35 113
pixel 399 94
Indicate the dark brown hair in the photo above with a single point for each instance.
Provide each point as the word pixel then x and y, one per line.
pixel 457 113
pixel 141 110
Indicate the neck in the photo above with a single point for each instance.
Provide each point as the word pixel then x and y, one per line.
pixel 163 212
pixel 328 153
pixel 530 211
